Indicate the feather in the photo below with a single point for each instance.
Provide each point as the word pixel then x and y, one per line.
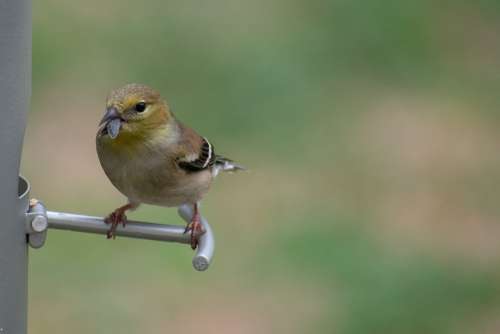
pixel 225 165
pixel 204 159
pixel 198 154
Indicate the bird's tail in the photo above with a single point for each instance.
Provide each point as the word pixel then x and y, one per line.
pixel 226 165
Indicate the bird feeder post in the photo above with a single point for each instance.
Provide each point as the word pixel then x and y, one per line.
pixel 15 91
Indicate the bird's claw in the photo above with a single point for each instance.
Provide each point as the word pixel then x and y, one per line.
pixel 116 218
pixel 196 231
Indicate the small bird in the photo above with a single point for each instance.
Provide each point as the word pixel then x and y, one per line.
pixel 152 158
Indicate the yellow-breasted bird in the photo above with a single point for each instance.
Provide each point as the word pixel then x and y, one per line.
pixel 152 158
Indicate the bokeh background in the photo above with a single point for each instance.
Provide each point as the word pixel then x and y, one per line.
pixel 371 131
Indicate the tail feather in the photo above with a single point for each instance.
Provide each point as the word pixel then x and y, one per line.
pixel 226 165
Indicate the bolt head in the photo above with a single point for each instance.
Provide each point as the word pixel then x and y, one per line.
pixel 39 224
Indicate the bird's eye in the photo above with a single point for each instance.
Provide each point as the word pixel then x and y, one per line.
pixel 140 107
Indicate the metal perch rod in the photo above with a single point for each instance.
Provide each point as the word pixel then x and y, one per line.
pixel 141 230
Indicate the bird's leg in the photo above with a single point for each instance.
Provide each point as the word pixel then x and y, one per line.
pixel 195 227
pixel 118 217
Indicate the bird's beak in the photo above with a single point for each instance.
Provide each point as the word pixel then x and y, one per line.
pixel 112 122
pixel 111 113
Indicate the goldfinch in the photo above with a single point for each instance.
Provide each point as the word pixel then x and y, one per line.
pixel 152 158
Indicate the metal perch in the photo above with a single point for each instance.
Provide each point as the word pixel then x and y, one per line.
pixel 39 220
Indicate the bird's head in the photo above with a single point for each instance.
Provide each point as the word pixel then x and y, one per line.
pixel 133 113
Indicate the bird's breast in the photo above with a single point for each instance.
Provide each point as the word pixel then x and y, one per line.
pixel 151 177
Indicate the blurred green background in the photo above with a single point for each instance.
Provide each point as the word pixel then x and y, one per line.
pixel 370 129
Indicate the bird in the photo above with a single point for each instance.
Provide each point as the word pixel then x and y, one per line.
pixel 153 158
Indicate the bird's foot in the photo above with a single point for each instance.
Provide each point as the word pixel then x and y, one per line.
pixel 116 218
pixel 196 231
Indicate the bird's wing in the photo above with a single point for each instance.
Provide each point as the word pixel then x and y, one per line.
pixel 196 152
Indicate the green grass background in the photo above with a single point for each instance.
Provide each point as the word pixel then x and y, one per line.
pixel 370 130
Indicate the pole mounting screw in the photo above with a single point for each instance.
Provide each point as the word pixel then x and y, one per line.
pixel 39 224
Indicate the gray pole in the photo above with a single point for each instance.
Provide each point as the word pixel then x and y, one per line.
pixel 15 91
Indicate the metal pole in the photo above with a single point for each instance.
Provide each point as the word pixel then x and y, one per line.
pixel 15 91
